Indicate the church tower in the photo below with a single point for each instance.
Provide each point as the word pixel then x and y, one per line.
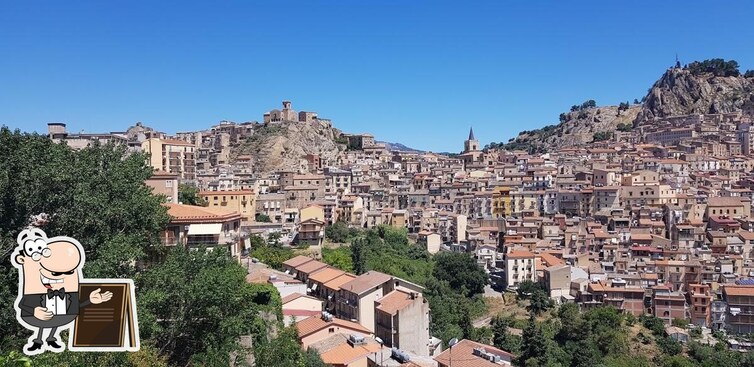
pixel 471 144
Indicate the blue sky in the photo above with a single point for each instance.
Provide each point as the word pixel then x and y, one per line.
pixel 417 72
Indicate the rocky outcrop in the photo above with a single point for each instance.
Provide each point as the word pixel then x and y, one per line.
pixel 679 92
pixel 282 145
pixel 577 128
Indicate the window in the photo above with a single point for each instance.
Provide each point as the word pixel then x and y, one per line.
pixel 169 183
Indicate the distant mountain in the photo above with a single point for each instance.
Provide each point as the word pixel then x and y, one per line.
pixel 398 147
pixel 710 86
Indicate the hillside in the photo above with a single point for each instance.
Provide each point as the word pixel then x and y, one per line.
pixel 576 128
pixel 283 144
pixel 710 86
pixel 681 92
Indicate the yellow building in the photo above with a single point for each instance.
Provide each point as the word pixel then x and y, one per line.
pixel 242 201
pixel 501 202
pixel 172 156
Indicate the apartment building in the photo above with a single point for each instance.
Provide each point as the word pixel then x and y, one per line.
pixel 172 156
pixel 520 265
pixel 241 201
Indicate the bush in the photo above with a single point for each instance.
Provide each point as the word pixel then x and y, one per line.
pixel 681 323
pixel 602 136
pixel 716 67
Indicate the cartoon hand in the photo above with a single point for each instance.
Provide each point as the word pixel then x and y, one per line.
pixel 42 313
pixel 96 297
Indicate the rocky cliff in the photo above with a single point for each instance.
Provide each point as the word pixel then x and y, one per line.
pixel 577 128
pixel 681 92
pixel 700 88
pixel 282 145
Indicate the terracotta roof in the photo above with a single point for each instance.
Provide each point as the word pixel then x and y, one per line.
pixel 366 281
pixel 345 353
pixel 463 355
pixel 739 290
pixel 297 261
pixel 181 213
pixel 294 296
pixel 550 260
pixel 394 301
pixel 161 174
pixel 314 324
pixel 519 254
pixel 310 267
pixel 337 282
pixel 326 275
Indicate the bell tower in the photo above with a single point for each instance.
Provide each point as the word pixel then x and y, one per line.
pixel 471 144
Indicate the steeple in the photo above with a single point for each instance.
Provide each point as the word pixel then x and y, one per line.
pixel 471 133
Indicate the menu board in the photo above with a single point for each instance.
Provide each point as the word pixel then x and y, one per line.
pixel 110 325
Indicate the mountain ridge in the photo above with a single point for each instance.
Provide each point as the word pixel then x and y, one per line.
pixel 710 86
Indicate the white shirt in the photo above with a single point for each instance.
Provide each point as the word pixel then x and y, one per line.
pixel 56 305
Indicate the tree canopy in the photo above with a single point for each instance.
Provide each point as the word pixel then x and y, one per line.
pixel 716 67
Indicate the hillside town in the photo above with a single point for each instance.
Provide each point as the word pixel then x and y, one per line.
pixel 653 221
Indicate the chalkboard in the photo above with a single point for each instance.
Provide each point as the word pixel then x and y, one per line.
pixel 108 326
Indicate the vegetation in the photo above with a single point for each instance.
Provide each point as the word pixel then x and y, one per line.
pixel 340 232
pixel 339 257
pixel 602 136
pixel 625 127
pixel 453 282
pixel 749 74
pixel 270 252
pixel 262 218
pixel 193 305
pixel 189 195
pixel 716 67
pixel 587 104
pixel 539 301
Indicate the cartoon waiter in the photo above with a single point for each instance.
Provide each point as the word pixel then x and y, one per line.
pixel 49 276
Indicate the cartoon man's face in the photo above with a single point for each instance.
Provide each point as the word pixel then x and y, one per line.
pixel 53 265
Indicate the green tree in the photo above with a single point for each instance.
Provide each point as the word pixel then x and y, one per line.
pixel 681 323
pixel 339 257
pixel 189 195
pixel 284 350
pixel 534 347
pixel 461 271
pixel 198 303
pixel 359 256
pixel 339 232
pixel 539 302
pixel 96 195
pixel 501 336
pixel 262 218
pixel 274 256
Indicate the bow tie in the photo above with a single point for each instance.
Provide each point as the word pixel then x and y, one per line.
pixel 60 293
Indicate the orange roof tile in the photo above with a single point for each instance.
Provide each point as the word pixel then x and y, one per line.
pixel 326 275
pixel 463 355
pixel 394 301
pixel 181 213
pixel 337 282
pixel 346 353
pixel 739 290
pixel 297 261
pixel 315 323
